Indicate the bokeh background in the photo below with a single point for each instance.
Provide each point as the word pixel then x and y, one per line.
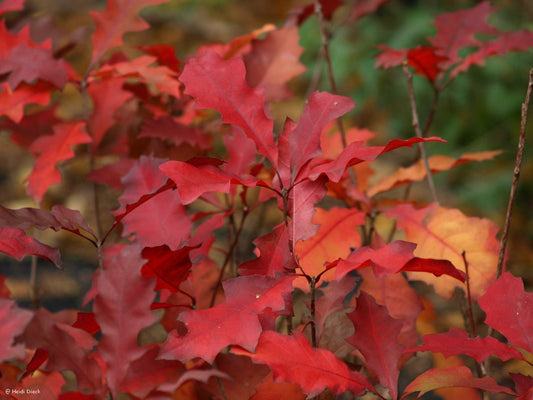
pixel 479 111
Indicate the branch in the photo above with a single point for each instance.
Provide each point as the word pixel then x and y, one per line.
pixel 416 126
pixel 516 175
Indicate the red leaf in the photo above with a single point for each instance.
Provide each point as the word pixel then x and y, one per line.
pixel 193 181
pixel 453 377
pixel 444 234
pixel 362 8
pixel 28 64
pixel 392 258
pixel 12 5
pixel 355 153
pixel 170 268
pixel 508 308
pixel 221 85
pixel 376 337
pixel 15 243
pixel 12 102
pixel 504 43
pixel 236 321
pixel 64 350
pixel 52 150
pixel 119 17
pixel 388 259
pixel 292 359
pixel 273 254
pixel 13 320
pixel 273 62
pixel 87 322
pixel 389 57
pixel 152 76
pixel 160 221
pixel 107 95
pixel 456 30
pixel 241 377
pixel 167 128
pixel 38 359
pixel 301 208
pixel 59 218
pixel 148 373
pixel 166 55
pixel 304 140
pixel 122 309
pixel 335 237
pixel 328 7
pixel 456 342
pixel 425 62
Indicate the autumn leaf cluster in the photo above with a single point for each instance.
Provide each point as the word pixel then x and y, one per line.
pixel 266 263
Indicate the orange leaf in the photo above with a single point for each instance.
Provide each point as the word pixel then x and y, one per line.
pixel 335 238
pixel 417 171
pixel 443 233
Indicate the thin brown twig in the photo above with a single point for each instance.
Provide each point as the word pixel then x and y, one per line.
pixel 516 175
pixel 416 126
pixel 325 47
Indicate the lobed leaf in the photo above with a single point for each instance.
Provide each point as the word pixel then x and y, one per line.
pixel 292 359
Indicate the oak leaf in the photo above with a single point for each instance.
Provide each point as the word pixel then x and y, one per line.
pixel 508 307
pixel 236 321
pixel 13 320
pixel 453 377
pixel 273 62
pixel 122 309
pixel 52 150
pixel 293 359
pixel 376 337
pixel 444 234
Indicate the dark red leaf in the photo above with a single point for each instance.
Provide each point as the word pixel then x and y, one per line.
pixel 167 128
pixel 456 341
pixel 87 322
pixel 38 359
pixel 28 64
pixel 170 268
pixel 273 254
pixel 166 55
pixel 15 243
pixel 376 337
pixel 12 5
pixel 425 62
pixel 508 308
pixel 64 350
pixel 293 359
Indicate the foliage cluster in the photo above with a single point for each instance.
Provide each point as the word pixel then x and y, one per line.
pixel 245 261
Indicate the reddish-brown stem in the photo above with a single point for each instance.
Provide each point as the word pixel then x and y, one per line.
pixel 469 297
pixel 325 47
pixel 416 126
pixel 228 258
pixel 516 176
